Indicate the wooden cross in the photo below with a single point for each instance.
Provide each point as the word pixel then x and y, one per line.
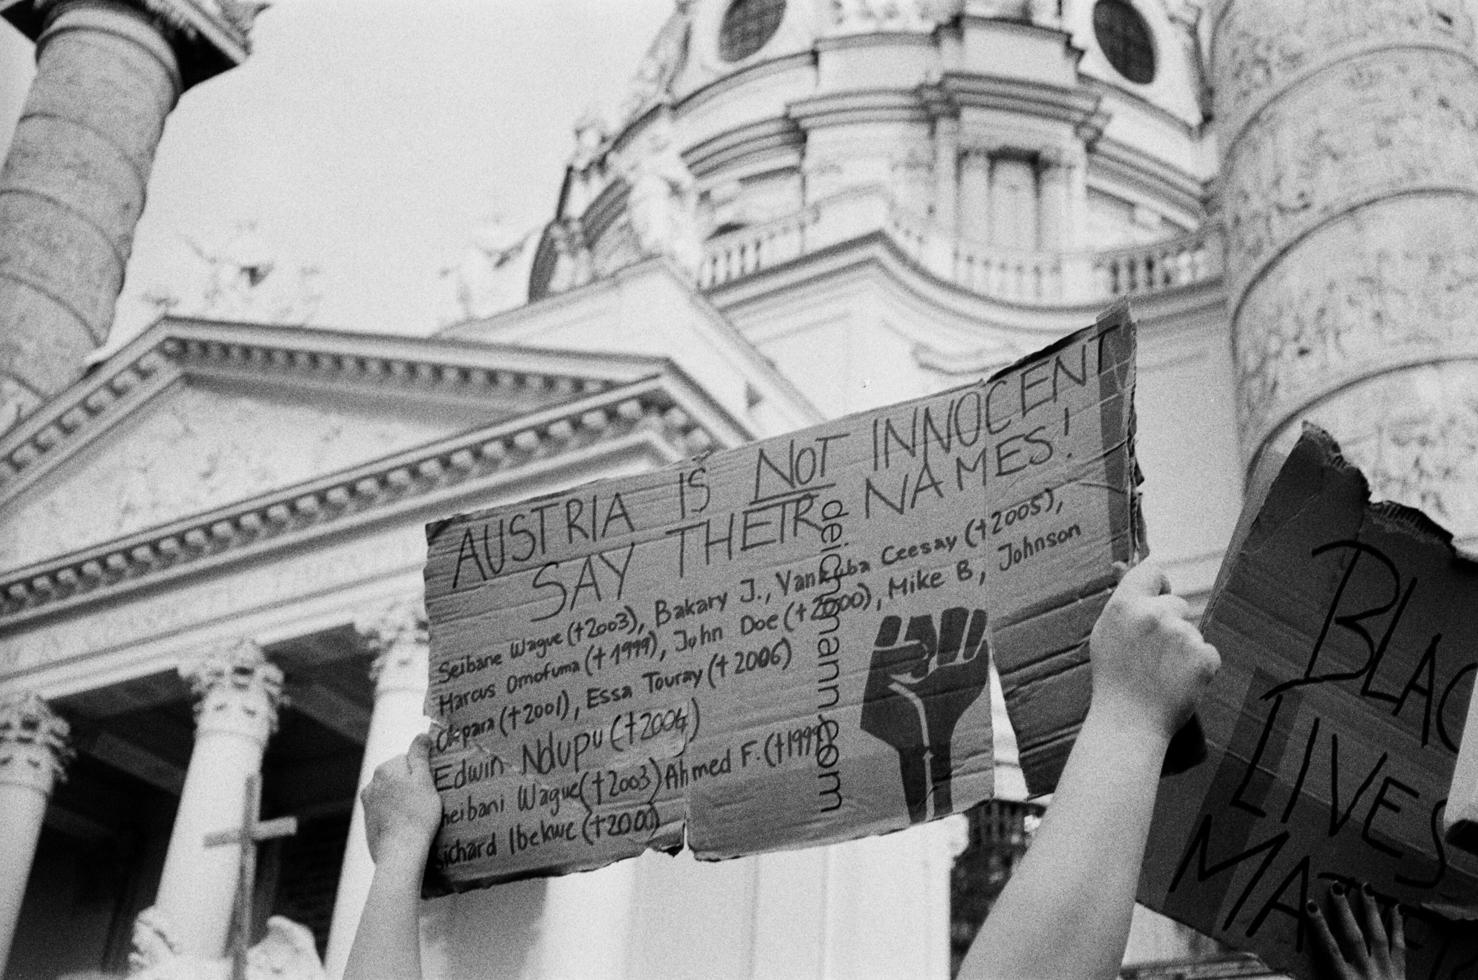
pixel 251 833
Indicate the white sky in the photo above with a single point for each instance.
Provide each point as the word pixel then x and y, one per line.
pixel 369 137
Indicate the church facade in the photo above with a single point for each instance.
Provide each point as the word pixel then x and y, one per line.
pixel 211 542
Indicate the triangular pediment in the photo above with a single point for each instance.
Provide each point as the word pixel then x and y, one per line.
pixel 196 416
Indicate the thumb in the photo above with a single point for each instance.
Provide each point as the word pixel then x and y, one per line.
pixel 1146 578
pixel 418 756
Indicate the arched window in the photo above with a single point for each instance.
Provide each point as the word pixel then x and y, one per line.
pixel 747 26
pixel 1125 40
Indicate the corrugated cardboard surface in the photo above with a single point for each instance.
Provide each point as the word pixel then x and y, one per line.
pixel 780 645
pixel 1348 648
pixel 1044 606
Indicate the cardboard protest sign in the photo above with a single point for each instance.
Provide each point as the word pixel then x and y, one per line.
pixel 776 646
pixel 1040 627
pixel 1349 648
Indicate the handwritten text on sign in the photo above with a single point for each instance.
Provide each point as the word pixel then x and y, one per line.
pixel 775 646
pixel 1348 654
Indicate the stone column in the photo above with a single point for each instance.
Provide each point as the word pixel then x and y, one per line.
pixel 33 753
pixel 1349 134
pixel 397 637
pixel 974 197
pixel 237 693
pixel 72 188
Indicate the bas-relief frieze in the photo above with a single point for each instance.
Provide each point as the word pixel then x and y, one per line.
pixel 1414 432
pixel 1387 123
pixel 1260 45
pixel 1396 281
pixel 196 450
pixel 197 602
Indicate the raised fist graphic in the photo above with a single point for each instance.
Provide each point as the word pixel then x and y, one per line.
pixel 918 687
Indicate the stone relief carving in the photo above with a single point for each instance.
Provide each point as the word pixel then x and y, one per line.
pixel 17 400
pixel 197 450
pixel 858 16
pixel 1258 46
pixel 1407 120
pixel 1396 280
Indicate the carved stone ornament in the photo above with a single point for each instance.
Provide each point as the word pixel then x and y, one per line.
pixel 397 635
pixel 235 688
pixel 1388 123
pixel 33 742
pixel 286 952
pixel 859 16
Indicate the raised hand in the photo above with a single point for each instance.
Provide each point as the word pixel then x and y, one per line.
pixel 401 808
pixel 918 687
pixel 1371 953
pixel 1150 664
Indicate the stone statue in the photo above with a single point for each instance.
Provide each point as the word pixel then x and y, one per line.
pixel 665 57
pixel 239 279
pixel 576 264
pixel 488 277
pixel 663 203
pixel 286 952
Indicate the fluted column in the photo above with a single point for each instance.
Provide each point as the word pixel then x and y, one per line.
pixel 1349 133
pixel 237 692
pixel 397 637
pixel 33 754
pixel 974 197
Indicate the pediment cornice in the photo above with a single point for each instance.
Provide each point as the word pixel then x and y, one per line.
pixel 664 412
pixel 426 370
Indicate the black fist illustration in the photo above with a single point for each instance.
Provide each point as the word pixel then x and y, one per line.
pixel 918 687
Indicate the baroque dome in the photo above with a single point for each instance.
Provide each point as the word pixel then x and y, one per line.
pixel 1002 127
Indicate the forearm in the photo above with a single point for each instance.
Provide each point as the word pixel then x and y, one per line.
pixel 387 945
pixel 1066 910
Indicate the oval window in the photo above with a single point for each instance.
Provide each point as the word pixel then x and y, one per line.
pixel 1125 40
pixel 747 26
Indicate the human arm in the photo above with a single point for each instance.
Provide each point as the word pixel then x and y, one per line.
pixel 1371 953
pixel 1065 911
pixel 401 814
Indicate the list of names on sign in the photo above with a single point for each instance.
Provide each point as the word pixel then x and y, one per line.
pixel 774 646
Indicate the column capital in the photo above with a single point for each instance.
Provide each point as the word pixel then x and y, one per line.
pixel 398 637
pixel 236 689
pixel 206 38
pixel 34 747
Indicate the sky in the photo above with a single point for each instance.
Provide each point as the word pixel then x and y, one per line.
pixel 369 138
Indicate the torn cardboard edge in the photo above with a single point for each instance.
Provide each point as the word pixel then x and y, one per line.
pixel 1044 749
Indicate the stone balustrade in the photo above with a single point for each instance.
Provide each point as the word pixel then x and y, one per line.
pixel 1017 276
